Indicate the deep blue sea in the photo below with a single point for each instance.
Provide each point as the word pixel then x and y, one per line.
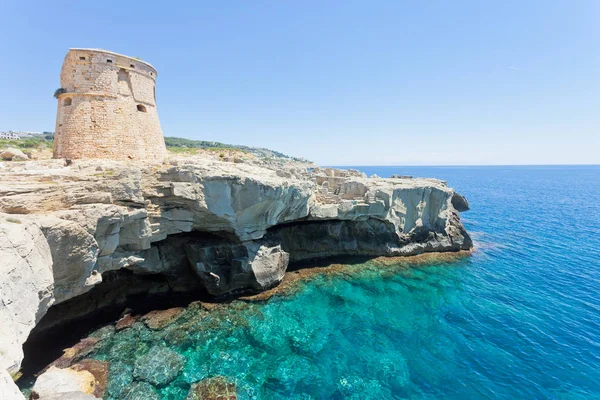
pixel 520 319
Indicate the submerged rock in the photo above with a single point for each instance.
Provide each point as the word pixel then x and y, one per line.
pixel 215 388
pixel 126 321
pixel 120 376
pixel 158 319
pixel 159 366
pixel 140 391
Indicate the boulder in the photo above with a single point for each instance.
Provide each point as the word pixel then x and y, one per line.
pixel 215 388
pixel 56 382
pixel 460 202
pixel 159 366
pixel 229 268
pixel 13 154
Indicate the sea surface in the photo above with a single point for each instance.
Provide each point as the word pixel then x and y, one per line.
pixel 519 319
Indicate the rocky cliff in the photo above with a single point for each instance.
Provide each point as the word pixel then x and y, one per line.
pixel 205 224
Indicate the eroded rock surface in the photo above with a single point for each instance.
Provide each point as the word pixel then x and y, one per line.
pixel 220 227
pixel 26 285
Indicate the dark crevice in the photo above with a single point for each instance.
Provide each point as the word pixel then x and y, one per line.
pixel 66 323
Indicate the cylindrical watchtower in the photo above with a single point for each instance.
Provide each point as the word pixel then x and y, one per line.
pixel 107 108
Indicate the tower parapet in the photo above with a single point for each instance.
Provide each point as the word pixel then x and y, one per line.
pixel 107 108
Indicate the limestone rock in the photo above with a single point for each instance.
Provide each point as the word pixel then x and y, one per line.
pixel 56 382
pixel 74 255
pixel 215 388
pixel 268 265
pixel 198 221
pixel 8 389
pixel 460 202
pixel 225 268
pixel 99 369
pixel 26 286
pixel 71 396
pixel 159 366
pixel 13 154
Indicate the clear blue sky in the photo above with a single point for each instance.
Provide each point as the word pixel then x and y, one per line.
pixel 340 82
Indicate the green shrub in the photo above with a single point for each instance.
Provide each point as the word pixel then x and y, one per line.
pixel 30 143
pixel 59 91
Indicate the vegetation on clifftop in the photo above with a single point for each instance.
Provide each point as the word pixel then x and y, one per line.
pixel 30 143
pixel 174 145
pixel 179 145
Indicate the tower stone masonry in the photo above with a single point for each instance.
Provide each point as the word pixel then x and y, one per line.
pixel 107 108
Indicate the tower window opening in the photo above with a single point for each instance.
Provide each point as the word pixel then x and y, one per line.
pixel 141 107
pixel 67 101
pixel 109 61
pixel 82 58
pixel 132 66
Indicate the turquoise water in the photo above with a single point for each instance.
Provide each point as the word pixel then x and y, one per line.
pixel 520 319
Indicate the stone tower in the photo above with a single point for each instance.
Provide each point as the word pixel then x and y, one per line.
pixel 108 108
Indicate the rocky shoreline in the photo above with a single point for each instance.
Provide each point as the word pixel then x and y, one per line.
pixel 70 235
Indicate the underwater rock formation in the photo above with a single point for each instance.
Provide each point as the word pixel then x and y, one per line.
pixel 159 366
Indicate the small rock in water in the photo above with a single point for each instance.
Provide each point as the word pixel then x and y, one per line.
pixel 140 391
pixel 158 319
pixel 159 366
pixel 215 388
pixel 126 321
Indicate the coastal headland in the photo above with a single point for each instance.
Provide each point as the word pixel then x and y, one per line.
pixel 213 226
